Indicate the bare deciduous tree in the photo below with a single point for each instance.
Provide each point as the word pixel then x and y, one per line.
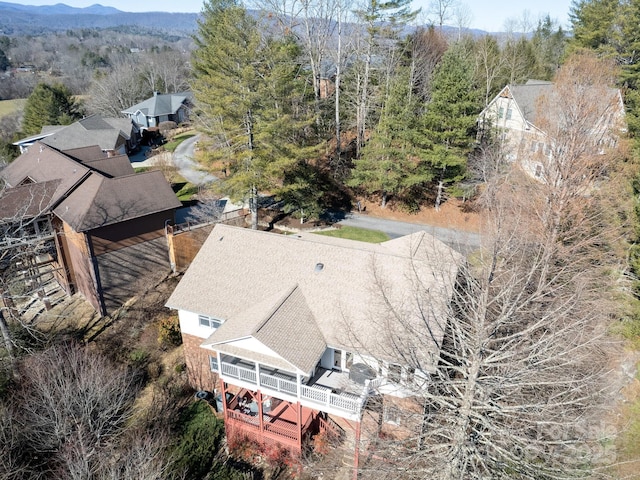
pixel 523 365
pixel 74 405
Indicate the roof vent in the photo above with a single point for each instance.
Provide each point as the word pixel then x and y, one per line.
pixel 319 267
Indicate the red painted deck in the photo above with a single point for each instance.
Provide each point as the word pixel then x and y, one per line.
pixel 282 425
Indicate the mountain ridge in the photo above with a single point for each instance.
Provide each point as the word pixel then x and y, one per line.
pixel 17 19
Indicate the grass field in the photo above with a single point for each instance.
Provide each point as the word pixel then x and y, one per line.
pixel 355 233
pixel 7 107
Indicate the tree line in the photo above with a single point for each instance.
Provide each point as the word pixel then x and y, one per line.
pixel 334 96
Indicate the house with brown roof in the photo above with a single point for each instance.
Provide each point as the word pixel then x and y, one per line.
pixel 114 136
pixel 298 333
pixel 515 114
pixel 108 221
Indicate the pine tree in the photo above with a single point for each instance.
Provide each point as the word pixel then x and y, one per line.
pixel 450 119
pixel 49 105
pixel 249 89
pixel 390 162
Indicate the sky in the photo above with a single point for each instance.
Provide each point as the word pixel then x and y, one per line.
pixel 489 15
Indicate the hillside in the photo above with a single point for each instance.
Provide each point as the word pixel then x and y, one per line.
pixel 16 19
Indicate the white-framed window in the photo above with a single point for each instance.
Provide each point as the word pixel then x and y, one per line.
pixel 500 112
pixel 538 170
pixel 509 113
pixel 213 363
pixel 210 322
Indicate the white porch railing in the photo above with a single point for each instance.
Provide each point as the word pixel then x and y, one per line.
pixel 279 384
pixel 344 401
pixel 241 373
pixel 319 395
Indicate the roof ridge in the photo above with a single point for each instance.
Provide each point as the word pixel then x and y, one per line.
pixel 101 179
pixel 272 312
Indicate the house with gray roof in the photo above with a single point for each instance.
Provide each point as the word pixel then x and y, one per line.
pixel 115 136
pixel 514 118
pixel 150 113
pixel 108 222
pixel 297 332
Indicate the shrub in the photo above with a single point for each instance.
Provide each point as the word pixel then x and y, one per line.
pixel 169 331
pixel 139 357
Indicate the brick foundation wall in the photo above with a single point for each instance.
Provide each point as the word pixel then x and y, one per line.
pixel 197 360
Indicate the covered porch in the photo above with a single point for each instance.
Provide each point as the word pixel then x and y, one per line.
pixel 328 390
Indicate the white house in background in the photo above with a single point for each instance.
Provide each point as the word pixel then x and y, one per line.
pixel 295 334
pixel 115 136
pixel 513 115
pixel 150 113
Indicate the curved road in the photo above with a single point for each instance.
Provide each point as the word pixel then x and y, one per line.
pixel 459 240
pixel 188 168
pixel 462 241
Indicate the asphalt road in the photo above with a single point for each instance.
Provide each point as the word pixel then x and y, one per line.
pixel 464 242
pixel 459 240
pixel 188 168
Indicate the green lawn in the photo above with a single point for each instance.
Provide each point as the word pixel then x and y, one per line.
pixel 178 139
pixel 185 190
pixel 8 107
pixel 355 233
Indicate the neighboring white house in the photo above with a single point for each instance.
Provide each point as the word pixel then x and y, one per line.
pixel 303 324
pixel 116 136
pixel 150 113
pixel 514 114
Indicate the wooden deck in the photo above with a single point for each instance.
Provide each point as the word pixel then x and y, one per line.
pixel 283 424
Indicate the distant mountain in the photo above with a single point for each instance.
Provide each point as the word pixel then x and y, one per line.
pixel 59 9
pixel 16 19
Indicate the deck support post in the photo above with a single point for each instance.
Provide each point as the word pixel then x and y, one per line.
pixel 356 454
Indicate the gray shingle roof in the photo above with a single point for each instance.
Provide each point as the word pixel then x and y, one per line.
pixel 527 98
pixel 109 134
pixel 243 274
pixel 157 105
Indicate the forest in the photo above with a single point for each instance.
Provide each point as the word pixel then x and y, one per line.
pixel 322 104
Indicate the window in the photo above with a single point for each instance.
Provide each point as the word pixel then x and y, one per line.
pixel 509 113
pixel 337 359
pixel 538 170
pixel 209 321
pixel 349 359
pixel 500 112
pixel 213 363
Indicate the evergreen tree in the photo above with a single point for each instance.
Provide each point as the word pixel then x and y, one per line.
pixel 593 24
pixel 450 119
pixel 4 61
pixel 549 42
pixel 390 163
pixel 249 91
pixel 49 105
pixel 382 19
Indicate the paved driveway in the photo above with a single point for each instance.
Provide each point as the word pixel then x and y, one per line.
pixel 462 241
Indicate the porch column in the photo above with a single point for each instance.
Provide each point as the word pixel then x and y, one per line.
pixel 356 454
pixel 223 392
pixel 298 384
pixel 219 357
pixel 260 417
pixel 299 422
pixel 258 374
